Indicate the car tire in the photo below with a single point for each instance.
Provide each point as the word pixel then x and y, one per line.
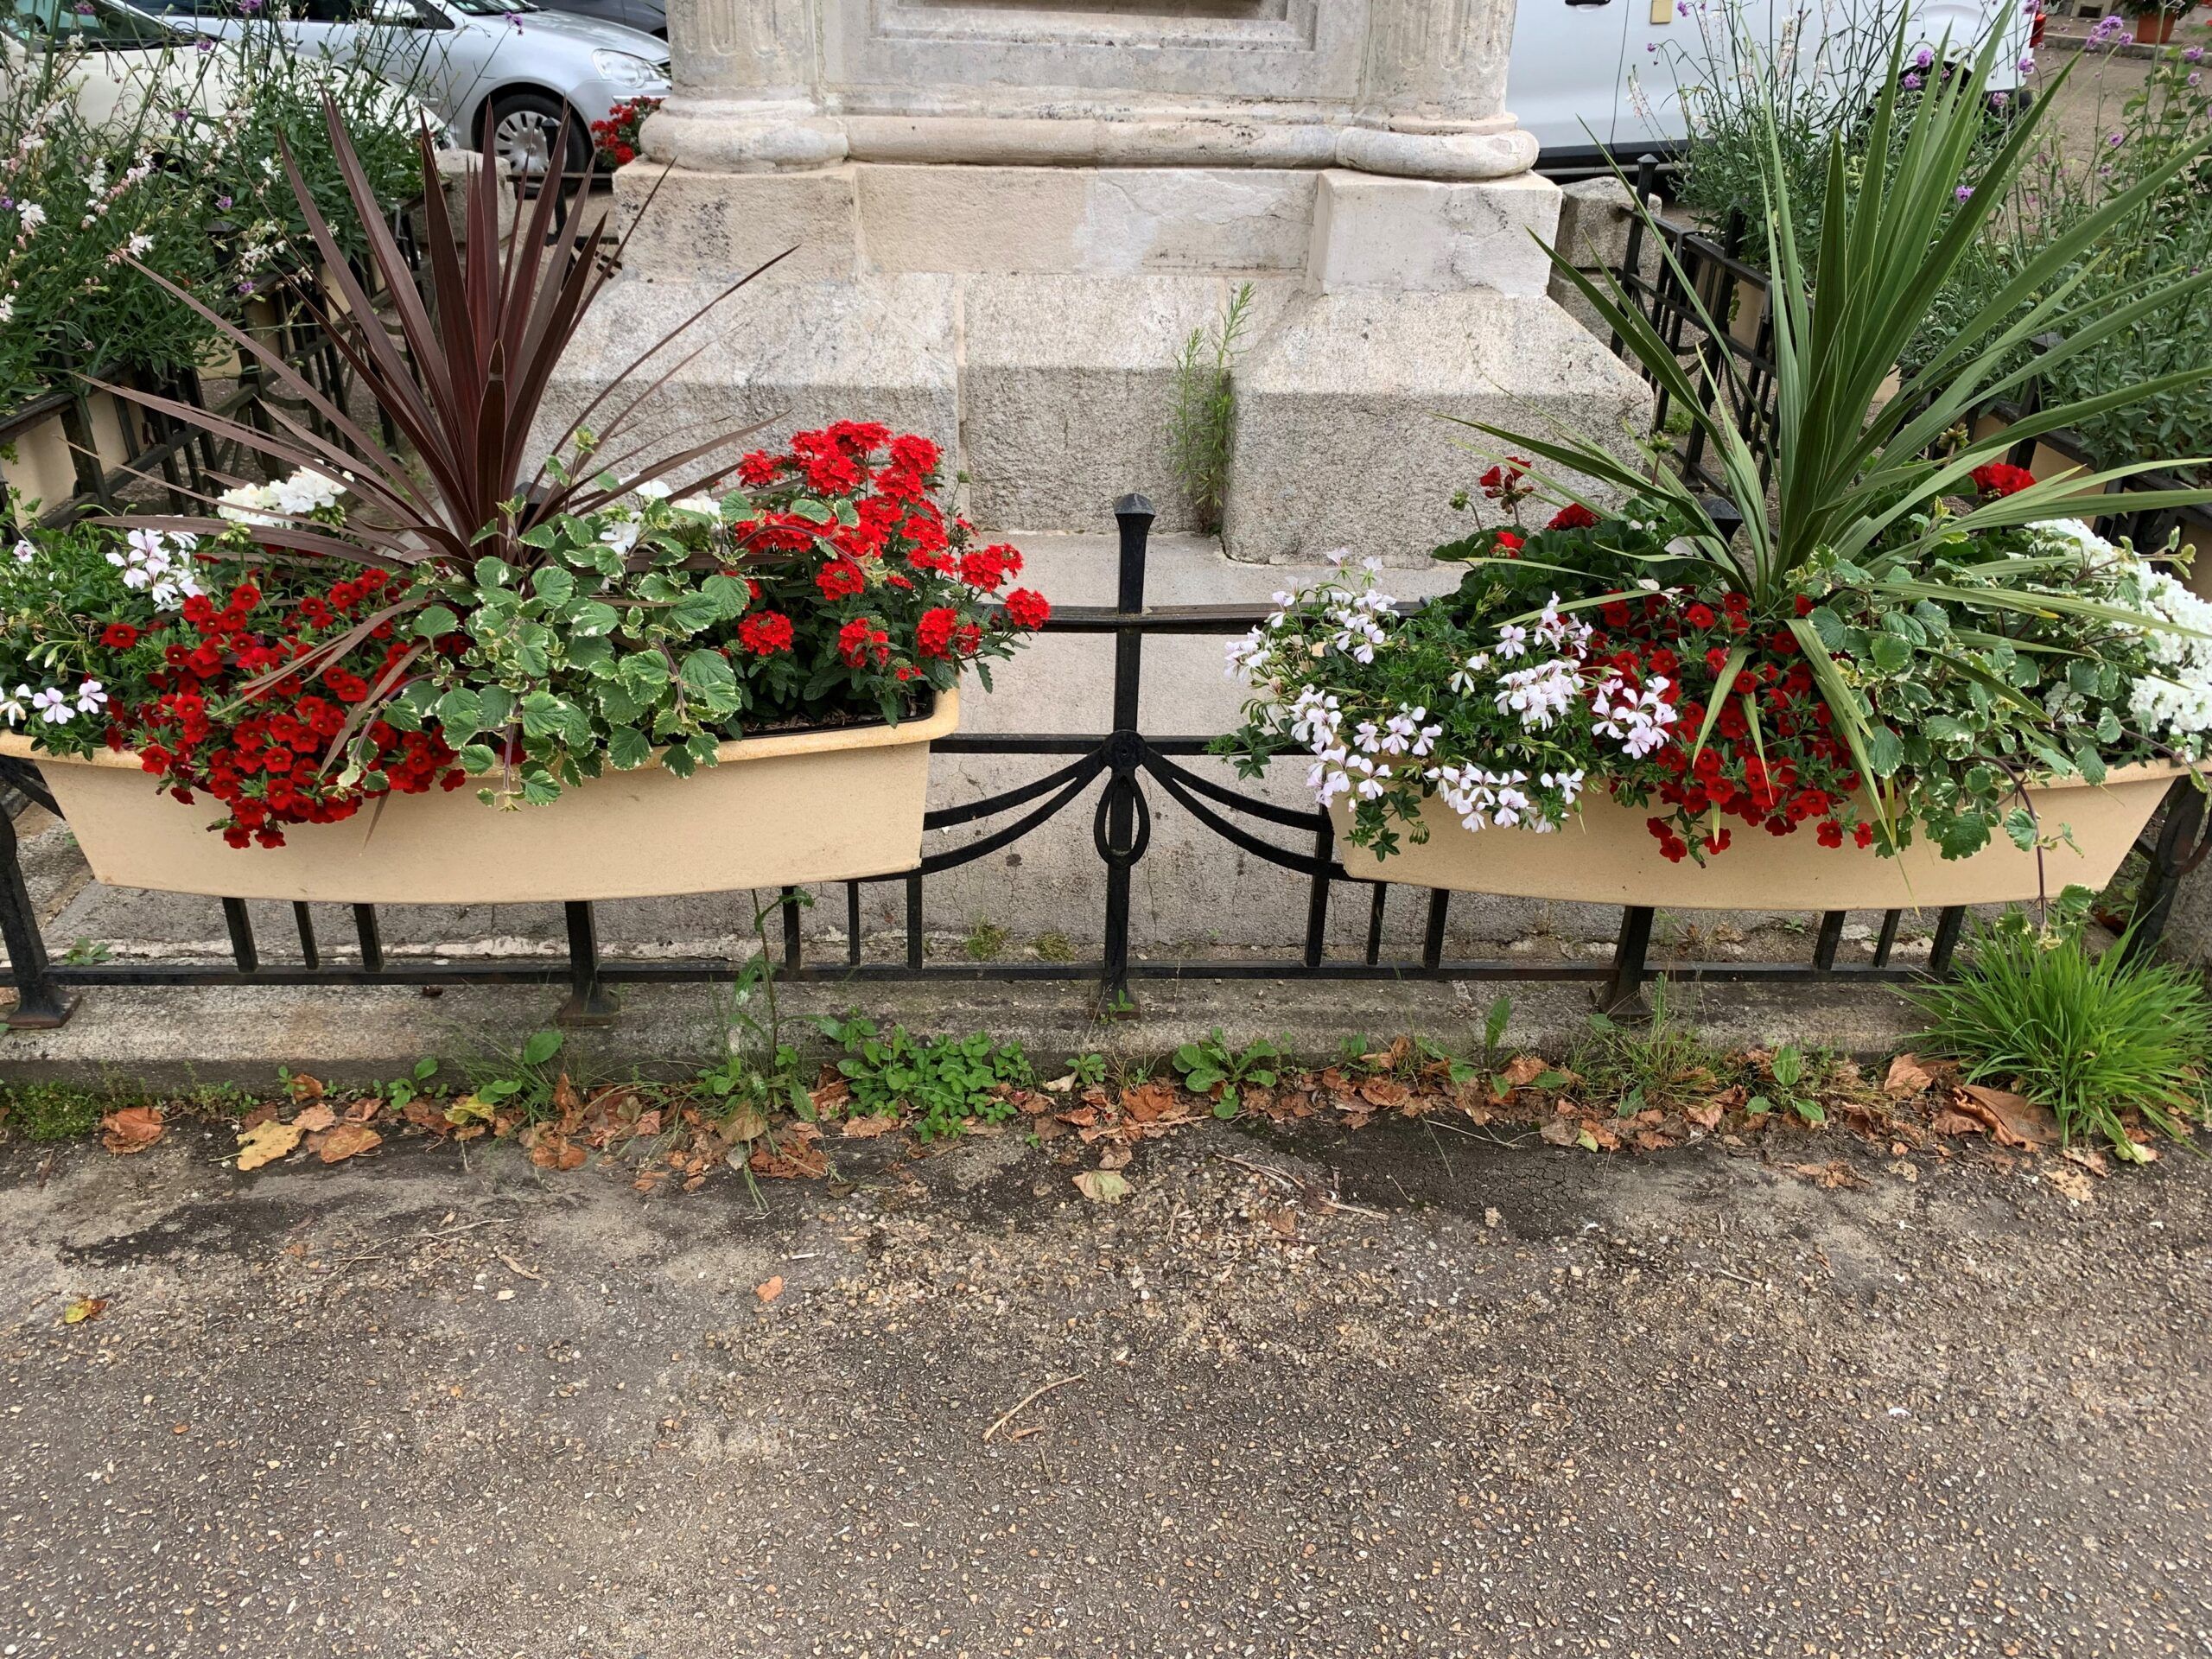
pixel 525 127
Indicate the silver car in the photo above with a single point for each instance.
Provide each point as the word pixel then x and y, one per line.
pixel 506 61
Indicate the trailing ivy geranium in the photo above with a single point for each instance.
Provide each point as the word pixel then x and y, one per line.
pixel 1904 632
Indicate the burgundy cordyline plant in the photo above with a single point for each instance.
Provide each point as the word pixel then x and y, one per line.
pixel 461 373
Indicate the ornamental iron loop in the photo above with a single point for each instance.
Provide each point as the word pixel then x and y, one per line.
pixel 1127 758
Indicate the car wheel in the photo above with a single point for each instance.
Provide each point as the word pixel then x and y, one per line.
pixel 527 130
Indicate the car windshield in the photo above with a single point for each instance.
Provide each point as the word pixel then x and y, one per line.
pixel 89 24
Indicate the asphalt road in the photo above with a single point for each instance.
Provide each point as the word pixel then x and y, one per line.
pixel 1510 1402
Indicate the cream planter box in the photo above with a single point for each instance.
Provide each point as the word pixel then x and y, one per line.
pixel 1608 856
pixel 783 810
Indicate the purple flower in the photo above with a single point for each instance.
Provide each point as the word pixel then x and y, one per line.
pixel 1964 192
pixel 246 287
pixel 222 204
pixel 203 44
pixel 1922 58
pixel 2026 65
pixel 1651 46
pixel 1912 82
pixel 2115 139
pixel 2193 54
pixel 1999 101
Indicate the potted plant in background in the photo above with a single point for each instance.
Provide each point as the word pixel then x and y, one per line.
pixel 2155 19
pixel 1908 677
pixel 672 681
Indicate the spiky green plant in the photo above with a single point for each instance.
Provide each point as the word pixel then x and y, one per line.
pixel 2092 1037
pixel 1859 481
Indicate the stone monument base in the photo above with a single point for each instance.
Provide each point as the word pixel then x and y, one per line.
pixel 1029 318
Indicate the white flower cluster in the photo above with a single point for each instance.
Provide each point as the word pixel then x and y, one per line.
pixel 304 492
pixel 1364 763
pixel 51 704
pixel 2178 698
pixel 1482 797
pixel 1638 721
pixel 157 565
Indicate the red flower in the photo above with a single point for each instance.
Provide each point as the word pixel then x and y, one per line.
pixel 1573 516
pixel 121 635
pixel 764 633
pixel 1699 616
pixel 2000 478
pixel 1831 833
pixel 933 638
pixel 1507 542
pixel 1026 608
pixel 1864 835
pixel 841 578
pixel 758 469
pixel 860 641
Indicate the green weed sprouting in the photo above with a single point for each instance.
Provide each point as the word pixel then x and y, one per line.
pixel 1203 421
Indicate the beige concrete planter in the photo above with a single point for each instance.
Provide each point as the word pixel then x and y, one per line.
pixel 1609 857
pixel 783 810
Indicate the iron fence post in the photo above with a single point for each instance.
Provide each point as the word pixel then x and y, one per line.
pixel 41 1003
pixel 590 1003
pixel 1118 830
pixel 2177 850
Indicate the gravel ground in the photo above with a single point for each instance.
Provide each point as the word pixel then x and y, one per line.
pixel 1491 1400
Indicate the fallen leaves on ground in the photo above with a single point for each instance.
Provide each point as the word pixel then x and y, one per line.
pixel 1102 1186
pixel 267 1141
pixel 770 1289
pixel 131 1128
pixel 82 1310
pixel 345 1141
pixel 2013 1120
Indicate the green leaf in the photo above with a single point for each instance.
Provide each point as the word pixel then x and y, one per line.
pixel 461 712
pixel 593 617
pixel 627 749
pixel 435 621
pixel 708 674
pixel 542 1048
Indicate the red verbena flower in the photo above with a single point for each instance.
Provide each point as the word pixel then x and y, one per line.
pixel 1026 608
pixel 764 633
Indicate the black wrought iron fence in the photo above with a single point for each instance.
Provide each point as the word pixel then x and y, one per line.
pixel 1136 773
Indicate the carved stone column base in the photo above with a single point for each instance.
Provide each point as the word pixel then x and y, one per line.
pixel 716 135
pixel 713 136
pixel 1486 150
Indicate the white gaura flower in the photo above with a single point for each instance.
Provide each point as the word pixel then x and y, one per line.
pixel 53 705
pixel 31 214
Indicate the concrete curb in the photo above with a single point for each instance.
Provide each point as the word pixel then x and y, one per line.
pixel 128 1037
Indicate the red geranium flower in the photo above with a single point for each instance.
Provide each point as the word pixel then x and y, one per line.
pixel 2001 477
pixel 1573 516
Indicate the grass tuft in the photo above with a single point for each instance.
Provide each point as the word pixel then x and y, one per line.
pixel 2092 1037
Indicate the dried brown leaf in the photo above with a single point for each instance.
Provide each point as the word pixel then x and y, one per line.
pixel 131 1128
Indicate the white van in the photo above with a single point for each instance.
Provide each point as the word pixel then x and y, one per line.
pixel 1592 75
